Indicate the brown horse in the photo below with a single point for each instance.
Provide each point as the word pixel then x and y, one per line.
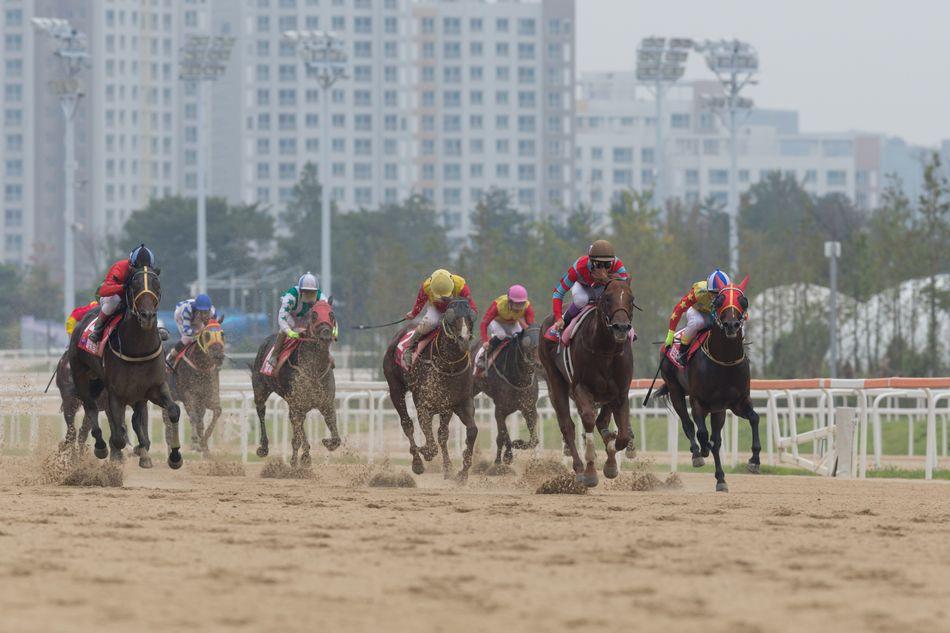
pixel 512 384
pixel 131 370
pixel 71 405
pixel 195 382
pixel 597 375
pixel 441 384
pixel 715 381
pixel 305 382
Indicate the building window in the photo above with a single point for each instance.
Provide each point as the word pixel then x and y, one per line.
pixel 646 155
pixel 679 120
pixel 837 178
pixel 623 177
pixel 718 177
pixel 623 154
pixel 692 177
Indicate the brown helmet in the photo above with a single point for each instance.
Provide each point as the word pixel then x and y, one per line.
pixel 601 249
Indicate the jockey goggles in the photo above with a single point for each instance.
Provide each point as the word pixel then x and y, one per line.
pixel 601 263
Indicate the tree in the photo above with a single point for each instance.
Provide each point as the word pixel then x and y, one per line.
pixel 933 234
pixel 298 242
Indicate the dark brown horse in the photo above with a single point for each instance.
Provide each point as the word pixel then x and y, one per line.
pixel 305 382
pixel 441 384
pixel 597 375
pixel 131 371
pixel 512 384
pixel 716 380
pixel 71 404
pixel 195 382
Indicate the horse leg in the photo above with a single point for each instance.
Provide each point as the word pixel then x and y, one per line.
pixel 530 413
pixel 444 419
pixel 197 419
pixel 118 435
pixel 611 470
pixel 140 426
pixel 328 411
pixel 466 412
pixel 296 423
pixel 562 408
pixel 162 397
pixel 746 410
pixel 92 414
pixel 260 404
pixel 702 435
pixel 215 414
pixel 503 441
pixel 718 420
pixel 70 407
pixel 678 400
pixel 397 394
pixel 622 419
pixel 430 448
pixel 585 406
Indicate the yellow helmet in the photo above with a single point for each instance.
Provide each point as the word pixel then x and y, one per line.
pixel 441 283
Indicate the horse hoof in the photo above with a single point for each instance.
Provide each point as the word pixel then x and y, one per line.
pixel 262 451
pixel 698 462
pixel 117 456
pixel 446 475
pixel 722 487
pixel 462 478
pixel 580 478
pixel 331 443
pixel 174 459
pixel 305 461
pixel 101 453
pixel 591 480
pixel 427 453
pixel 610 472
pixel 145 461
pixel 417 466
pixel 137 451
pixel 755 469
pixel 508 459
pixel 631 452
pixel 519 445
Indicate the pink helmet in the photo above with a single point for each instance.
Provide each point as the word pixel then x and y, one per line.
pixel 517 294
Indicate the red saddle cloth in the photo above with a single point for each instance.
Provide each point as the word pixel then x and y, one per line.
pixel 673 351
pixel 179 356
pixel 268 367
pixel 96 349
pixel 404 342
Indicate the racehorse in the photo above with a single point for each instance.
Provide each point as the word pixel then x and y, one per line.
pixel 595 370
pixel 305 381
pixel 195 382
pixel 511 382
pixel 131 370
pixel 715 381
pixel 440 380
pixel 71 404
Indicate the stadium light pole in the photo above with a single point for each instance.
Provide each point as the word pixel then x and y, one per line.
pixel 661 62
pixel 325 59
pixel 72 53
pixel 833 252
pixel 735 64
pixel 203 58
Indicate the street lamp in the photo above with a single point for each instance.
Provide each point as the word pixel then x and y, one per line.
pixel 72 54
pixel 833 252
pixel 203 58
pixel 661 62
pixel 324 56
pixel 734 63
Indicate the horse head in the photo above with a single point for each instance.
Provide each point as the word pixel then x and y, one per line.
pixel 616 308
pixel 529 340
pixel 730 308
pixel 321 323
pixel 211 342
pixel 458 320
pixel 143 291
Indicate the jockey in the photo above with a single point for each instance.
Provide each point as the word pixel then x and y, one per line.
pixel 434 295
pixel 697 304
pixel 191 316
pixel 295 304
pixel 77 315
pixel 113 286
pixel 586 280
pixel 506 316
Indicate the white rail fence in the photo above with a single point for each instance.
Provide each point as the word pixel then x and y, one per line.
pixel 798 423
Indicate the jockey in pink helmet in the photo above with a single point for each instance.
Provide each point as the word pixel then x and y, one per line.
pixel 508 314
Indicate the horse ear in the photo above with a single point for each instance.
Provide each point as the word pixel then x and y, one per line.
pixel 158 271
pixel 450 314
pixel 743 284
pixel 744 302
pixel 718 301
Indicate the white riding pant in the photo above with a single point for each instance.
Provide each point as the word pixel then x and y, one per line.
pixel 108 305
pixel 428 321
pixel 696 321
pixel 292 323
pixel 503 329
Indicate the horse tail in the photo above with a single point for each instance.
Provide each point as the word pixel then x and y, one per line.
pixel 662 397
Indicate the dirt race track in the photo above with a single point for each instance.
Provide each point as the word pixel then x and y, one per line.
pixel 181 551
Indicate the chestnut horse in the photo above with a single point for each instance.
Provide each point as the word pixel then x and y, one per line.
pixel 601 358
pixel 715 380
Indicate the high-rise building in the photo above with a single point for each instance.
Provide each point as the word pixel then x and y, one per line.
pixel 493 104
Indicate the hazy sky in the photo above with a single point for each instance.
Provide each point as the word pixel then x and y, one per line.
pixel 871 65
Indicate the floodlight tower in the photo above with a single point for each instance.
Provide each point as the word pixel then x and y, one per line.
pixel 203 58
pixel 735 64
pixel 72 56
pixel 661 62
pixel 324 57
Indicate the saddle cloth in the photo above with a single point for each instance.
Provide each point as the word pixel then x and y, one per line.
pixel 571 327
pixel 268 367
pixel 404 342
pixel 179 356
pixel 673 352
pixel 96 349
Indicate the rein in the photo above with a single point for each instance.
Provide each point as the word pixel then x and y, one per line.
pixel 721 363
pixel 133 307
pixel 466 356
pixel 505 379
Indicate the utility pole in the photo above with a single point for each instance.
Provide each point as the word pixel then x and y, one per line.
pixel 833 252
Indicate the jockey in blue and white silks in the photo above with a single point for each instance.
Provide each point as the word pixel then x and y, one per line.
pixel 191 315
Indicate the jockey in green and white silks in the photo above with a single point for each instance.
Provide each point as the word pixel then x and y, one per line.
pixel 296 302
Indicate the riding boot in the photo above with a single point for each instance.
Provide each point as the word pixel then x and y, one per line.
pixel 96 334
pixel 175 351
pixel 684 352
pixel 569 314
pixel 410 350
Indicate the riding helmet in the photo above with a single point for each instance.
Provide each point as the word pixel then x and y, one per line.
pixel 601 250
pixel 141 256
pixel 203 302
pixel 308 281
pixel 717 281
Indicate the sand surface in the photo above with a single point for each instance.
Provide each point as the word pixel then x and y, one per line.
pixel 182 551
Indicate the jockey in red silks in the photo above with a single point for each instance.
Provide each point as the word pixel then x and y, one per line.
pixel 77 315
pixel 697 304
pixel 586 280
pixel 506 316
pixel 434 295
pixel 113 286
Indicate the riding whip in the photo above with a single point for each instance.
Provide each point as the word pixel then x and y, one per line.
pixel 650 392
pixel 51 378
pixel 373 327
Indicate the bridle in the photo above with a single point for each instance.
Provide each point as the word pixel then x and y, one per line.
pixel 516 341
pixel 132 301
pixel 731 296
pixel 466 355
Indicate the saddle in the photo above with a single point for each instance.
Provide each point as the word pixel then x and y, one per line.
pixel 673 351
pixel 97 349
pixel 492 357
pixel 570 328
pixel 182 355
pixel 269 367
pixel 404 342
